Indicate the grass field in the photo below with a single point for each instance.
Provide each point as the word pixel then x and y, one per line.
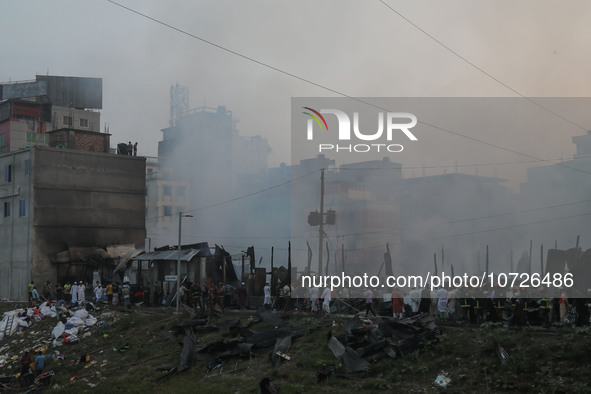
pixel 541 360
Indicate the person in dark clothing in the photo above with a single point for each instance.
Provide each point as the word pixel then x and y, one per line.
pixel 369 302
pixel 135 149
pixel 425 304
pixel 582 312
pixel 47 291
pixel 59 292
pixel 242 296
pixel 205 298
pixel 26 361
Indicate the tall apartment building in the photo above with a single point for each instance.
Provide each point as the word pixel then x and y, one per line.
pixel 52 111
pixel 202 160
pixel 53 199
pixel 59 185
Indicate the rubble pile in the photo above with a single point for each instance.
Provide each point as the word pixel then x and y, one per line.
pixel 365 343
pixel 243 342
pixel 36 333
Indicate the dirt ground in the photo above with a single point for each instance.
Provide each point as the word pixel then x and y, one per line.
pixel 134 350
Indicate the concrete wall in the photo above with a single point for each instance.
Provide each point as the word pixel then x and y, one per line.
pixel 86 199
pixel 93 118
pixel 72 199
pixel 88 141
pixel 15 229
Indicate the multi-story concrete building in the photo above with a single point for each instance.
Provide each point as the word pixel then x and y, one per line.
pixel 164 196
pixel 203 160
pixel 53 199
pixel 60 188
pixel 52 111
pixel 559 193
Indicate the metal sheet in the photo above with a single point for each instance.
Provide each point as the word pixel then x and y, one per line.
pixel 74 92
pixel 171 255
pixel 24 89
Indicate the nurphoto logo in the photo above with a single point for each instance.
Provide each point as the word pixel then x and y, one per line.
pixel 395 122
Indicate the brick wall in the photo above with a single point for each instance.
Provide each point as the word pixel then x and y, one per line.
pixel 80 140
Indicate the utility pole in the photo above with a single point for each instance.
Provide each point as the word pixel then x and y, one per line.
pixel 321 227
pixel 178 263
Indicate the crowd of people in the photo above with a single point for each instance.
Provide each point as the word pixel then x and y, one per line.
pixel 517 307
pixel 207 299
pixel 79 292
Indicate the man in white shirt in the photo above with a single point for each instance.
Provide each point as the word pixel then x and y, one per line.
pixel 369 302
pixel 327 298
pixel 98 291
pixel 267 291
pixel 74 292
pixel 286 298
pixel 81 295
pixel 314 295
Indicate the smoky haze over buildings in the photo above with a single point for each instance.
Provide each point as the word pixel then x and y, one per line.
pixel 237 200
pixel 542 50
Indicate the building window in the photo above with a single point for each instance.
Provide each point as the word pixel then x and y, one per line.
pixel 83 122
pixel 22 208
pixel 167 190
pixel 167 210
pixel 67 120
pixel 6 209
pixel 47 139
pixel 27 167
pixel 31 137
pixel 8 173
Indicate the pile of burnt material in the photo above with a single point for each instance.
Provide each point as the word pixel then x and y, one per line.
pixel 365 342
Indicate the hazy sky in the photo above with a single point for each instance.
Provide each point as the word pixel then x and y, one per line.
pixel 360 48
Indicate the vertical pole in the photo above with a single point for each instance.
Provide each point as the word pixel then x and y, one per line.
pixel 289 278
pixel 241 276
pixel 343 256
pixel 435 262
pixel 321 229
pixel 178 266
pixel 542 260
pixel 225 267
pixel 529 268
pixel 272 259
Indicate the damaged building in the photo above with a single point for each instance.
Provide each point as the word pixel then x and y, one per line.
pixel 55 198
pixel 59 185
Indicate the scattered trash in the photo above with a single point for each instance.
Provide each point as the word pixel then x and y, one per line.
pixel 282 345
pixel 366 343
pixel 214 364
pixel 266 386
pixel 502 353
pixel 269 317
pixel 442 379
pixel 326 373
pixel 283 355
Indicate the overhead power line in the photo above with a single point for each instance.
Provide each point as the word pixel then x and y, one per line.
pixel 308 81
pixel 240 197
pixel 479 68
